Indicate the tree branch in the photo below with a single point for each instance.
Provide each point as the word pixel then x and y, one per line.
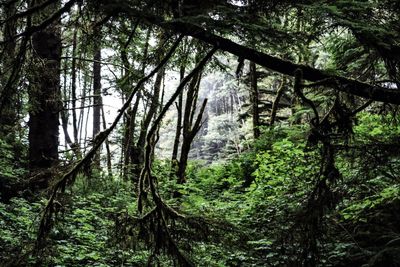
pixel 35 28
pixel 339 83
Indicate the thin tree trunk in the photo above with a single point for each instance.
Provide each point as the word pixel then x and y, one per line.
pixel 64 113
pixel 275 105
pixel 87 119
pixel 97 92
pixel 129 149
pixel 153 104
pixel 147 121
pixel 109 163
pixel 186 143
pixel 179 107
pixel 189 127
pixel 73 88
pixel 146 171
pixel 254 100
pixel 68 140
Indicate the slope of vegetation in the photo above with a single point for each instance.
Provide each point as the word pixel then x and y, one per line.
pixel 234 222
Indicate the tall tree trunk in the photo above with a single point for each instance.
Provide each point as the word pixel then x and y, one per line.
pixel 73 88
pixel 97 102
pixel 254 96
pixel 109 163
pixel 146 123
pixel 138 156
pixel 65 115
pixel 8 105
pixel 186 143
pixel 68 140
pixel 44 95
pixel 129 148
pixel 179 107
pixel 82 119
pixel 189 127
pixel 146 171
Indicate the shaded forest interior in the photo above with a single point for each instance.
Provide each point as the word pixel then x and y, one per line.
pixel 200 133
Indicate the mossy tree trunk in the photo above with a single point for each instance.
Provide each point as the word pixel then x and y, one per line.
pixel 190 127
pixel 9 105
pixel 44 94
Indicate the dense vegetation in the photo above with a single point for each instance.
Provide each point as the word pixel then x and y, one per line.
pixel 199 133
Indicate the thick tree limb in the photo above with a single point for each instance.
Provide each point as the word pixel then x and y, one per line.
pixel 285 67
pixel 30 11
pixel 45 23
pixel 339 83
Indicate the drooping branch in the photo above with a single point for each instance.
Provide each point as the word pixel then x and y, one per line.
pixel 298 90
pixel 146 171
pixel 162 210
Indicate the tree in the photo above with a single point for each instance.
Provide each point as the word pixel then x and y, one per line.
pixel 44 93
pixel 190 125
pixel 254 96
pixel 97 99
pixel 8 93
pixel 131 155
pixel 354 87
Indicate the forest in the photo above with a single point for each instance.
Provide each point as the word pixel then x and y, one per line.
pixel 200 133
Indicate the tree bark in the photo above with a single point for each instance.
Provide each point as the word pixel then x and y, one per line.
pixel 68 140
pixel 107 143
pixel 140 145
pixel 138 157
pixel 189 127
pixel 8 110
pixel 146 171
pixel 130 150
pixel 186 144
pixel 44 96
pixel 97 102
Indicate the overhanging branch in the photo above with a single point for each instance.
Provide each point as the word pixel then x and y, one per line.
pixel 340 83
pixel 350 86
